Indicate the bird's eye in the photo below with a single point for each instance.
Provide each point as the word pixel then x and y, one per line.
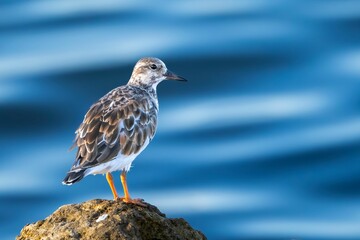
pixel 153 66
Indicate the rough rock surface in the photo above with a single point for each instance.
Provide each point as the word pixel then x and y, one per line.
pixel 107 219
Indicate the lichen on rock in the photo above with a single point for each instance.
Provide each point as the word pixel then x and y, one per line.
pixel 107 219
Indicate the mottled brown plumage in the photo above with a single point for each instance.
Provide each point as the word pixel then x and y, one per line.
pixel 116 124
pixel 119 125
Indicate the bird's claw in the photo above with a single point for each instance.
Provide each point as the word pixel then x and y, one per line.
pixel 136 201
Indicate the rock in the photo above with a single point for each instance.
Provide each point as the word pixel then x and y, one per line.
pixel 107 219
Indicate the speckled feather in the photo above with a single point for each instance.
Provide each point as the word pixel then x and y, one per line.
pixel 119 123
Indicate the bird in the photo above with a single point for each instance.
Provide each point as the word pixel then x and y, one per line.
pixel 119 126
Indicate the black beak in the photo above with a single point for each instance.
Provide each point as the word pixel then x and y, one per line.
pixel 172 76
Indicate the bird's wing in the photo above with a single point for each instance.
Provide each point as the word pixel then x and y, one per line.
pixel 114 125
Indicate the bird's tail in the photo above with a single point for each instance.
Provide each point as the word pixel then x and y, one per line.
pixel 74 176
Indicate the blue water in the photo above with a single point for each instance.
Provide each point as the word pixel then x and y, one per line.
pixel 261 143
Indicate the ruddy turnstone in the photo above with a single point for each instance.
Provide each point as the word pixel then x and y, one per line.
pixel 119 126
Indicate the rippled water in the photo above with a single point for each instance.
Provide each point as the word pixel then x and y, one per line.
pixel 261 143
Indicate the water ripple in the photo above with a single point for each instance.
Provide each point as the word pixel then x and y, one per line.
pixel 241 109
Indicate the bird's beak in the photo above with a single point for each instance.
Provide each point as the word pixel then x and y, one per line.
pixel 172 76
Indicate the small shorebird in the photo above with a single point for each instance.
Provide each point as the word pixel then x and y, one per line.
pixel 119 126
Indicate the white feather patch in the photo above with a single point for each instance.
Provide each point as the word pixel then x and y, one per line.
pixel 121 162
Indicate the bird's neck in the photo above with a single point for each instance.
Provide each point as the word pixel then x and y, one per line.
pixel 150 89
pixel 152 92
pixel 137 82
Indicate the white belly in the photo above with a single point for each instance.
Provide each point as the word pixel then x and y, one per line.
pixel 121 162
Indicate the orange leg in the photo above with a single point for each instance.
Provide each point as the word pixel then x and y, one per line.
pixel 109 178
pixel 127 197
pixel 124 184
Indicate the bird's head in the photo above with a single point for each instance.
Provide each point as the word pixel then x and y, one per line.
pixel 150 72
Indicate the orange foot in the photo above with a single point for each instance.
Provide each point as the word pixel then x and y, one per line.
pixel 136 201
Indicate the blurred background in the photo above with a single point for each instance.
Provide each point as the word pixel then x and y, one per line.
pixel 261 143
